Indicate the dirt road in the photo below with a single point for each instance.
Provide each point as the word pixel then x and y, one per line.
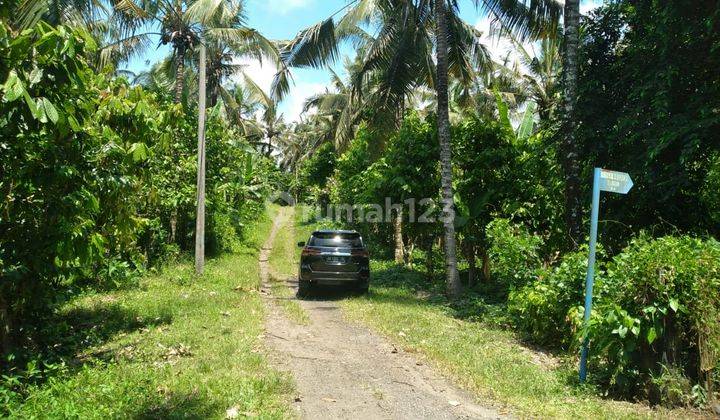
pixel 344 371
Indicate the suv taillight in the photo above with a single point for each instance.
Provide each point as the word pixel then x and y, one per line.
pixel 307 252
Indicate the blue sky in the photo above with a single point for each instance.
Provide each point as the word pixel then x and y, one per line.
pixel 282 19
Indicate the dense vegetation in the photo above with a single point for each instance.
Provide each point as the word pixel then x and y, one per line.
pixel 98 179
pixel 172 347
pixel 489 160
pixel 654 330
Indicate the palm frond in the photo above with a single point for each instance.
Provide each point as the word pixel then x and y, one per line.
pixel 129 7
pixel 281 83
pixel 206 12
pixel 526 18
pixel 345 126
pixel 124 49
pixel 397 57
pixel 28 13
pixel 314 47
pixel 466 54
pixel 257 93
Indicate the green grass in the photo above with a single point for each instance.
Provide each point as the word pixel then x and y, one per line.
pixel 284 261
pixel 285 298
pixel 283 257
pixel 481 356
pixel 177 346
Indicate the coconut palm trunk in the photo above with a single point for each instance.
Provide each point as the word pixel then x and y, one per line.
pixel 213 91
pixel 443 122
pixel 570 149
pixel 200 215
pixel 180 73
pixel 179 85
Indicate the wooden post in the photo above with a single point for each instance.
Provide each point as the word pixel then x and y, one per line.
pixel 200 219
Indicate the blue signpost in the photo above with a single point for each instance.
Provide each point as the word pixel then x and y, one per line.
pixel 610 181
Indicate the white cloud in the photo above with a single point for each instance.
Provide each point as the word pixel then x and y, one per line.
pixel 293 105
pixel 262 74
pixel 587 6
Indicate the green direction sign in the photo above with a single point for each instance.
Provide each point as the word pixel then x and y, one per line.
pixel 617 182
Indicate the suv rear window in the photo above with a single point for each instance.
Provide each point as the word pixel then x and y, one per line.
pixel 332 239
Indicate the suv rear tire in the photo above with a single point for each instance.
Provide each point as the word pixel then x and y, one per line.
pixel 363 289
pixel 304 289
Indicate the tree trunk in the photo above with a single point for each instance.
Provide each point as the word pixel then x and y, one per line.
pixel 180 74
pixel 200 216
pixel 173 225
pixel 469 251
pixel 452 282
pixel 5 328
pixel 429 259
pixel 570 150
pixel 179 85
pixel 397 234
pixel 472 266
pixel 409 252
pixel 485 266
pixel 213 89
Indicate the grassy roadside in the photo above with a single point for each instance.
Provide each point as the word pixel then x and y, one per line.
pixel 177 346
pixel 284 261
pixel 480 356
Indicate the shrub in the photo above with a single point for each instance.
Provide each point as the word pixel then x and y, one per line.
pixel 514 253
pixel 542 308
pixel 659 306
pixel 709 193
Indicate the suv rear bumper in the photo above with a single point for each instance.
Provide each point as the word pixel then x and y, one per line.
pixel 335 277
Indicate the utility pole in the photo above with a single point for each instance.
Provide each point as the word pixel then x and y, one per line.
pixel 200 219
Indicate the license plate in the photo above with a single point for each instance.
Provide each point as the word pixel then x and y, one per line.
pixel 336 260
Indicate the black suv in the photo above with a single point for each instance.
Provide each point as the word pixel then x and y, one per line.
pixel 334 257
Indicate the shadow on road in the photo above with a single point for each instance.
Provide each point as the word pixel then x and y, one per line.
pixel 329 293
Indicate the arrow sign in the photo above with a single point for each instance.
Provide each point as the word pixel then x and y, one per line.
pixel 613 181
pixel 610 181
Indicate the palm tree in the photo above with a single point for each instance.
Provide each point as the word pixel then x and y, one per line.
pixel 160 78
pixel 273 125
pixel 570 154
pixel 452 282
pixel 543 72
pixel 479 98
pixel 244 103
pixel 223 56
pixel 303 139
pixel 182 24
pixel 342 105
pixel 220 66
pixel 239 104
